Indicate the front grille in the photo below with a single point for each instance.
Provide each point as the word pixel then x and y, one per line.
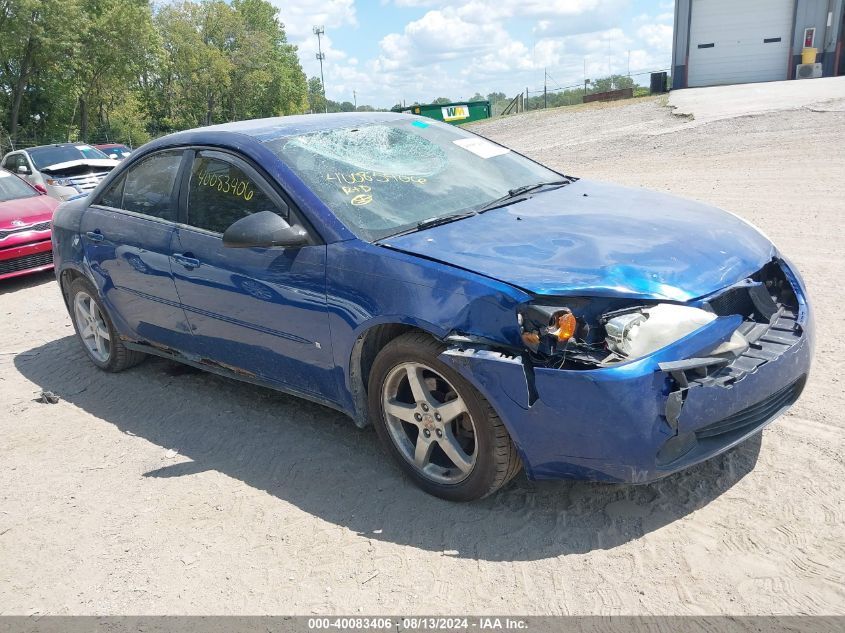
pixel 41 226
pixel 26 262
pixel 88 181
pixel 756 414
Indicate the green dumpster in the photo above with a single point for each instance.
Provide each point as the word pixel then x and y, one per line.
pixel 457 112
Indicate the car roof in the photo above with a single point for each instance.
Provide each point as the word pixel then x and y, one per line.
pixel 99 145
pixel 75 144
pixel 264 130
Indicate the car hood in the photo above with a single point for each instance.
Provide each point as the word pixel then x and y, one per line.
pixel 599 239
pixel 108 163
pixel 25 211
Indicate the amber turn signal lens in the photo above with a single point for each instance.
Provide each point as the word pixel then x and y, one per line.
pixel 531 338
pixel 566 324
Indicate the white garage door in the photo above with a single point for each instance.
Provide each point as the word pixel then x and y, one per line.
pixel 739 41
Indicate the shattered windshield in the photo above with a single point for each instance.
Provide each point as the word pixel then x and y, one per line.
pixel 383 178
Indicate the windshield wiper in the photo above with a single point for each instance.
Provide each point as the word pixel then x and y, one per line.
pixel 432 222
pixel 513 194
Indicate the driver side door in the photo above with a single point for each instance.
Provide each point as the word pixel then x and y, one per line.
pixel 260 312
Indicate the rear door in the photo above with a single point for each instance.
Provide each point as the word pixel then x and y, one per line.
pixel 259 311
pixel 127 234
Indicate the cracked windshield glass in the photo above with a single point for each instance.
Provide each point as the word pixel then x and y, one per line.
pixel 385 178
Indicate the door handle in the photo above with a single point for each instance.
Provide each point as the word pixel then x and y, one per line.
pixel 186 260
pixel 95 236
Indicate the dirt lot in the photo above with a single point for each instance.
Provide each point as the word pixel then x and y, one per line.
pixel 162 491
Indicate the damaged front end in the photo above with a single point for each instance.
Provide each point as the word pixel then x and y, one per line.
pixel 610 389
pixel 81 176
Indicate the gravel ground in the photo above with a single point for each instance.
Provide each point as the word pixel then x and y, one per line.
pixel 162 490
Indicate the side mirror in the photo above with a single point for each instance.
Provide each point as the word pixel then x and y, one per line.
pixel 41 188
pixel 23 169
pixel 263 230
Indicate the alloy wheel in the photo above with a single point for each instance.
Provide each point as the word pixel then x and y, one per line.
pixel 92 327
pixel 429 423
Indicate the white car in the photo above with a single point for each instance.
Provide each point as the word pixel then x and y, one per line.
pixel 63 171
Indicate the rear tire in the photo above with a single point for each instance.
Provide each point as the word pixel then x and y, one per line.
pixel 96 331
pixel 438 428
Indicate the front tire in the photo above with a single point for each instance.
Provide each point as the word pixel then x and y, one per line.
pixel 96 331
pixel 437 427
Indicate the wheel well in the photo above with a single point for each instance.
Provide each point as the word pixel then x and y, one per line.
pixel 364 352
pixel 67 277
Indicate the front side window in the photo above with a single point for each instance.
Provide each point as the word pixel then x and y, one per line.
pixel 219 194
pixel 385 177
pixel 149 186
pixel 17 160
pixel 113 196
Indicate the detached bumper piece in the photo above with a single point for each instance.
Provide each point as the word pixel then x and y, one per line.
pixel 711 439
pixel 755 415
pixel 770 307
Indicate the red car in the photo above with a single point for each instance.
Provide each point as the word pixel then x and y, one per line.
pixel 25 216
pixel 118 151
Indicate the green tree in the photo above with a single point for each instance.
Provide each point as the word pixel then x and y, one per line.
pixel 442 100
pixel 613 82
pixel 37 37
pixel 316 98
pixel 114 43
pixel 131 69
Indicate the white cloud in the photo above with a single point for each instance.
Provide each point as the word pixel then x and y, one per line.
pixel 439 36
pixel 301 16
pixel 459 47
pixel 656 36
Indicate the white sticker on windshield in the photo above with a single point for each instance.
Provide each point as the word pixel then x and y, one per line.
pixel 480 147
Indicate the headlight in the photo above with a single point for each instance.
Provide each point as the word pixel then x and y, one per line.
pixel 60 182
pixel 641 332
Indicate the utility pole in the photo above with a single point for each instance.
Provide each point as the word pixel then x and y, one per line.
pixel 585 76
pixel 629 63
pixel 545 88
pixel 355 99
pixel 318 31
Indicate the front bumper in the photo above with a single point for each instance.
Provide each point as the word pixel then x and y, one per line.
pixel 26 258
pixel 617 423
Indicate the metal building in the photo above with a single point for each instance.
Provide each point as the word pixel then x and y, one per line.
pixel 742 41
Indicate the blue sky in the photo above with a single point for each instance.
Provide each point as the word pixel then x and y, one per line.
pixel 417 50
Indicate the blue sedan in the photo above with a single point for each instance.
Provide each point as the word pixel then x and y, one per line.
pixel 485 313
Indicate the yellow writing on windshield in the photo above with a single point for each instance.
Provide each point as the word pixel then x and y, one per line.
pixel 358 177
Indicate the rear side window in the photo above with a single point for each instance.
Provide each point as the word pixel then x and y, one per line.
pixel 220 193
pixel 148 187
